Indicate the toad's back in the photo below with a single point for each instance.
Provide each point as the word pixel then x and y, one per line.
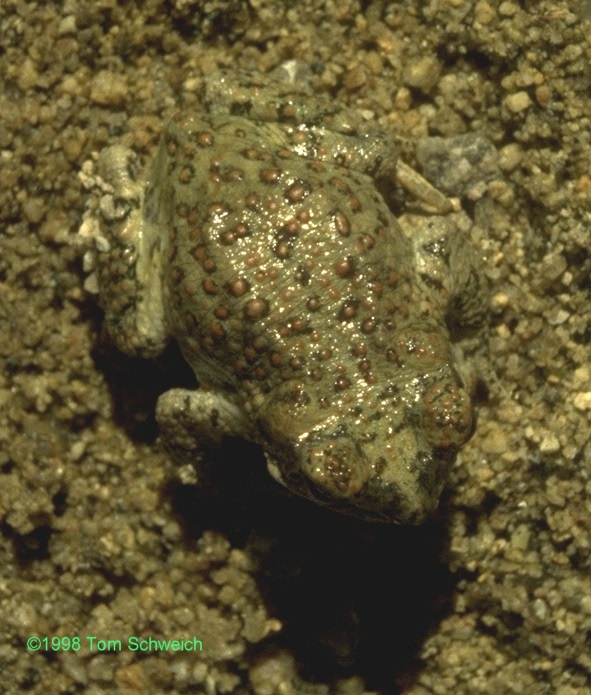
pixel 277 266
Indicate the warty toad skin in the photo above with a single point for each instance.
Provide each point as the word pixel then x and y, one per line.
pixel 315 325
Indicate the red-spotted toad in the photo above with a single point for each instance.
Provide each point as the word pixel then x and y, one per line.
pixel 315 325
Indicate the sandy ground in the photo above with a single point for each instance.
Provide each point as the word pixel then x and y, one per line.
pixel 100 537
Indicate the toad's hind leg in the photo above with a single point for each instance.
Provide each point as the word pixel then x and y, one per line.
pixel 449 267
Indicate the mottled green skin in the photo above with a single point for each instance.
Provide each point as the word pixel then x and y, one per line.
pixel 314 325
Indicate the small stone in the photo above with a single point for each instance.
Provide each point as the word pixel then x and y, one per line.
pixel 495 441
pixel 543 95
pixel 510 157
pixel 549 444
pixel 581 376
pixel 355 78
pixel 582 400
pixel 273 672
pixel 67 25
pixel 500 301
pixel 423 73
pixel 34 209
pixel 108 89
pixel 28 75
pixel 507 9
pixel 553 265
pixel 518 102
pixel 484 13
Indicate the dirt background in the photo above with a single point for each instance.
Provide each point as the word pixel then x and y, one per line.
pixel 101 537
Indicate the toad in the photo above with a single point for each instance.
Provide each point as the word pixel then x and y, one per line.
pixel 316 322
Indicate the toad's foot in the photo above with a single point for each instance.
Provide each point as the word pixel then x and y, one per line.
pixel 431 200
pixel 188 419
